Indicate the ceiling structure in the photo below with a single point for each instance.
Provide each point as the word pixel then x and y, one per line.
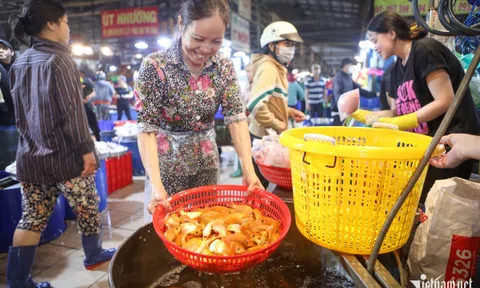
pixel 330 28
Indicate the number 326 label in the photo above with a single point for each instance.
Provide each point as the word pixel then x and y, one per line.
pixel 463 258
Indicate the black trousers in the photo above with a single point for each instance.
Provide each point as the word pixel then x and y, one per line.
pixel 123 106
pixel 262 179
pixel 92 121
pixel 316 110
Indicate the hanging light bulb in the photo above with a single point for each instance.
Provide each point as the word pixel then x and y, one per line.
pixel 141 45
pixel 107 51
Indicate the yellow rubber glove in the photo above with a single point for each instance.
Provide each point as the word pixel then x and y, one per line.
pixel 404 122
pixel 361 115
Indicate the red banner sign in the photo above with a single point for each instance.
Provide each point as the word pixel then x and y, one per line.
pixel 131 22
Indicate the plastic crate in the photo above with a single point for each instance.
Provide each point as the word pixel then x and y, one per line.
pixel 123 122
pixel 118 172
pixel 370 103
pixel 107 136
pixel 105 125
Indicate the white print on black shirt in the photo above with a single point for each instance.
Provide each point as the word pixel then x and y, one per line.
pixel 407 102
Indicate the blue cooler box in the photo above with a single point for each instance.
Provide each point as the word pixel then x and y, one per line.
pixel 11 212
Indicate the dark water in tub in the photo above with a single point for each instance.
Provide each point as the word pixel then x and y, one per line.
pixel 284 269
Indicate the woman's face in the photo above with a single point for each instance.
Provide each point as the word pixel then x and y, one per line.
pixel 61 30
pixel 384 43
pixel 202 39
pixel 283 44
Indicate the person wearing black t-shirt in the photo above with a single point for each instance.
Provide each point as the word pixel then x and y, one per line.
pixel 88 93
pixel 423 83
pixel 124 95
pixel 386 100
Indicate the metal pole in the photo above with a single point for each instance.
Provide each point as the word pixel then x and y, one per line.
pixel 426 158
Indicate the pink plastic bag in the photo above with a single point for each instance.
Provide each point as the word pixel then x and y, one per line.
pixel 348 103
pixel 270 152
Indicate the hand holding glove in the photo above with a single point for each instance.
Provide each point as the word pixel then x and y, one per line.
pixel 404 122
pixel 361 115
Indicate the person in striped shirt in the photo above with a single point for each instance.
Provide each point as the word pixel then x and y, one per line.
pixel 315 92
pixel 56 153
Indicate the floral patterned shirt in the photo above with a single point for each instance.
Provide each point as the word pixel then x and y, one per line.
pixel 170 101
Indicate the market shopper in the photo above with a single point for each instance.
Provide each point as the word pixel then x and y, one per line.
pixel 178 92
pixel 103 96
pixel 124 94
pixel 268 100
pixel 7 115
pixel 296 93
pixel 88 93
pixel 343 82
pixel 316 93
pixel 55 151
pixel 423 82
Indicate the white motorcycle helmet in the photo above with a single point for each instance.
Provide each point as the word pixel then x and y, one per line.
pixel 279 31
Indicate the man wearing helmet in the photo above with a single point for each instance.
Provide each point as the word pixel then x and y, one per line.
pixel 104 92
pixel 268 99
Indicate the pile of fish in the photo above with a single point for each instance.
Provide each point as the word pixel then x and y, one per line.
pixel 221 230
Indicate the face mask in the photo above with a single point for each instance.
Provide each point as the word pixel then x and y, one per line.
pixel 285 54
pixel 351 69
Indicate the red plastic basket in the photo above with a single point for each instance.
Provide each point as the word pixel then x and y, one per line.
pixel 188 200
pixel 276 175
pixel 123 122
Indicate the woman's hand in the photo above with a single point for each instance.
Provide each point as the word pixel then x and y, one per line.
pixel 463 146
pixel 159 196
pixel 251 180
pixel 296 115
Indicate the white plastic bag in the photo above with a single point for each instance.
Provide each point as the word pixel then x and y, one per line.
pixel 348 103
pixel 268 151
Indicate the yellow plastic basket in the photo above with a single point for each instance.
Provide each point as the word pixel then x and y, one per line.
pixel 342 193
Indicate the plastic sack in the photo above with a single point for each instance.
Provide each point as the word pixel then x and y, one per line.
pixel 475 90
pixel 465 60
pixel 446 244
pixel 109 149
pixel 12 169
pixel 270 152
pixel 129 130
pixel 348 103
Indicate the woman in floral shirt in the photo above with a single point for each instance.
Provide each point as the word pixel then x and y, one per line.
pixel 177 94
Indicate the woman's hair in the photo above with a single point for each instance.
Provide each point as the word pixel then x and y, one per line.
pixel 265 50
pixel 391 21
pixel 34 17
pixel 192 10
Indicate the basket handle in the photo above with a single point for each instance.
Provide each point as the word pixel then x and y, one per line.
pixel 319 138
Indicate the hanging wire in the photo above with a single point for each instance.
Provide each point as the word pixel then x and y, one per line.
pixel 467 45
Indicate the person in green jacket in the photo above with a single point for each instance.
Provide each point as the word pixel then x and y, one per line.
pixel 296 92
